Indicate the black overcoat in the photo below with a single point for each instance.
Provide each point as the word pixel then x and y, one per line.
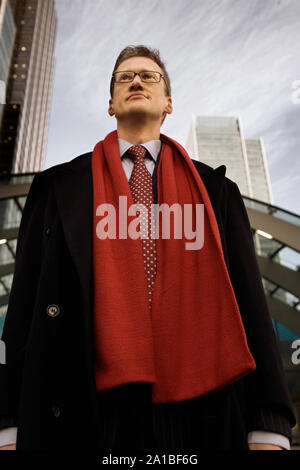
pixel 47 383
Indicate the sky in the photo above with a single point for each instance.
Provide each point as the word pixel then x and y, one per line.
pixel 224 58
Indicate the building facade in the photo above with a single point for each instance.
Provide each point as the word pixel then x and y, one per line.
pixel 7 39
pixel 220 141
pixel 24 126
pixel 258 169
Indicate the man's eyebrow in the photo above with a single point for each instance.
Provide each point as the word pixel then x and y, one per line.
pixel 143 70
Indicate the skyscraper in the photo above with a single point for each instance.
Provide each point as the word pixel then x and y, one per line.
pixel 220 141
pixel 258 169
pixel 7 38
pixel 217 141
pixel 23 133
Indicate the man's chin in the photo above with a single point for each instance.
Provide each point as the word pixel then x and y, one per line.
pixel 134 115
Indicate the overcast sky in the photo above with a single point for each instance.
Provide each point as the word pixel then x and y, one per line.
pixel 224 58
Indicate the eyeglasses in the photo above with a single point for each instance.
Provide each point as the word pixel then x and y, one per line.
pixel 145 76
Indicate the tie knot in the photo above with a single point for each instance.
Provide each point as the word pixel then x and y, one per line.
pixel 137 151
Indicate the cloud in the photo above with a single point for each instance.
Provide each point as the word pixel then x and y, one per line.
pixel 224 58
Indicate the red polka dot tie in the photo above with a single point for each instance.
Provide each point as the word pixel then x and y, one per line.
pixel 140 183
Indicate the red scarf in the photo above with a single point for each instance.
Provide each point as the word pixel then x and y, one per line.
pixel 193 342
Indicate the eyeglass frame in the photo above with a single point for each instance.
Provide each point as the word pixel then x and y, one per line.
pixel 138 73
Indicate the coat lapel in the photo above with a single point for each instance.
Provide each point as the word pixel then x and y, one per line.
pixel 73 189
pixel 213 180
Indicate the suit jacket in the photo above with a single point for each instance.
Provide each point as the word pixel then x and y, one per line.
pixel 47 384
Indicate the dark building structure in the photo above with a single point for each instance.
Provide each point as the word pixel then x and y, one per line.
pixel 25 114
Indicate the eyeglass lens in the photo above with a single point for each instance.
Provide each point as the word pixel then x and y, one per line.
pixel 145 76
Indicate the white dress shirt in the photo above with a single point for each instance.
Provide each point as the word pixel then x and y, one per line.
pixel 9 435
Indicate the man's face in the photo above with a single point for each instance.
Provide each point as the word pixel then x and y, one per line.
pixel 151 101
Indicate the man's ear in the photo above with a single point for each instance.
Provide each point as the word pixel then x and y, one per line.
pixel 169 105
pixel 111 108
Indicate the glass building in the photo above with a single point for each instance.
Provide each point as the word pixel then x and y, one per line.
pixel 13 193
pixel 7 38
pixel 23 132
pixel 258 169
pixel 217 141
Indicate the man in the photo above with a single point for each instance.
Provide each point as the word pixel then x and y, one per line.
pixel 116 342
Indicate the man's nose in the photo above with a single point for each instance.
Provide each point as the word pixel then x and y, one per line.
pixel 136 81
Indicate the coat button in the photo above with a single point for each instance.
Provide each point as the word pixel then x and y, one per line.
pixel 55 411
pixel 53 310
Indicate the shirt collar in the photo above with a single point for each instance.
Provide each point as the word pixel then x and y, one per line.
pixel 153 147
